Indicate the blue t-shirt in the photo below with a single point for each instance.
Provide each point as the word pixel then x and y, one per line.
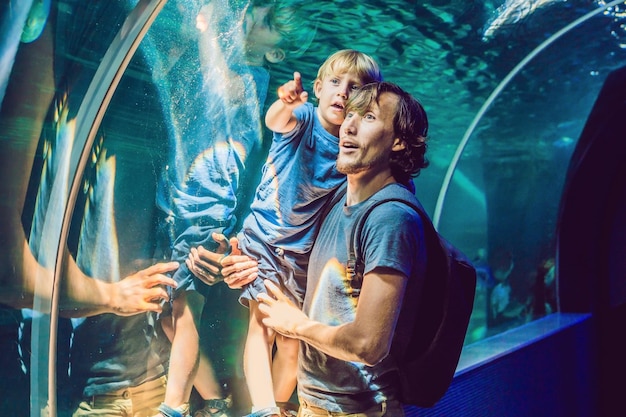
pixel 212 103
pixel 298 177
pixel 327 382
pixel 208 155
pixel 297 180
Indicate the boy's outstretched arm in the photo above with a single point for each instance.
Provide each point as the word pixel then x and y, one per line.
pixel 279 117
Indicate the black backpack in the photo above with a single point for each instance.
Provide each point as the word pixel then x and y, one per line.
pixel 440 318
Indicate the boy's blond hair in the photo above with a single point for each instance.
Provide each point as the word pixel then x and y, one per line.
pixel 350 60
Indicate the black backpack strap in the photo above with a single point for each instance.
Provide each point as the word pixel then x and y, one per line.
pixel 435 324
pixel 355 265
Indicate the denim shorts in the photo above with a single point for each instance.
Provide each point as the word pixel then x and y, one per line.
pixel 286 269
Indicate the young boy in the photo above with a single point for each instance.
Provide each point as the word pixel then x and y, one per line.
pixel 298 177
pixel 207 158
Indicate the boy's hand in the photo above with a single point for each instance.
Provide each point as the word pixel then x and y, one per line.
pixel 202 22
pixel 238 269
pixel 234 269
pixel 205 264
pixel 279 117
pixel 292 93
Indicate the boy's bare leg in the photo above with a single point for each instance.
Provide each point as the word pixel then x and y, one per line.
pixel 185 347
pixel 205 381
pixel 285 367
pixel 257 359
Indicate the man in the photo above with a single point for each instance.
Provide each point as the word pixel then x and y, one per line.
pixel 347 327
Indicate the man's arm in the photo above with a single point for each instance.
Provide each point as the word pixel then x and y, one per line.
pixel 279 117
pixel 367 339
pixel 80 295
pixel 83 296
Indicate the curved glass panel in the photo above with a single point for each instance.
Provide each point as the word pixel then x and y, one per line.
pixel 188 112
pixel 52 93
pixel 183 123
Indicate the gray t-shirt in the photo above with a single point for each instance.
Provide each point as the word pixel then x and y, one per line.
pixel 392 237
pixel 112 353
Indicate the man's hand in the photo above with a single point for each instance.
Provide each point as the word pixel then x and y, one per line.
pixel 143 291
pixel 282 314
pixel 292 93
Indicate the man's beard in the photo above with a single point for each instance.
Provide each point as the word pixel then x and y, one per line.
pixel 348 169
pixel 358 165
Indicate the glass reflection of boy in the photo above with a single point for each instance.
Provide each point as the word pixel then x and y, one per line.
pixel 200 187
pixel 298 178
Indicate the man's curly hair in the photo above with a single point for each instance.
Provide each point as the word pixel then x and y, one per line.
pixel 410 124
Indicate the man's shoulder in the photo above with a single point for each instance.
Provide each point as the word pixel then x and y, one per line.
pixel 391 205
pixel 395 205
pixel 397 192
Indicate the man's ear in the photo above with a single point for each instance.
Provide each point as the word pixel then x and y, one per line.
pixel 275 56
pixel 398 145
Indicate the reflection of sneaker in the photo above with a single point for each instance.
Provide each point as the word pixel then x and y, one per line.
pixel 266 412
pixel 180 411
pixel 220 406
pixel 288 409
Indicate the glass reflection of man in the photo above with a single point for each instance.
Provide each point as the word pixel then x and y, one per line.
pixel 27 274
pixel 215 128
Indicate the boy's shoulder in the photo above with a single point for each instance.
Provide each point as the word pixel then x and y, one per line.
pixel 306 108
pixel 306 114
